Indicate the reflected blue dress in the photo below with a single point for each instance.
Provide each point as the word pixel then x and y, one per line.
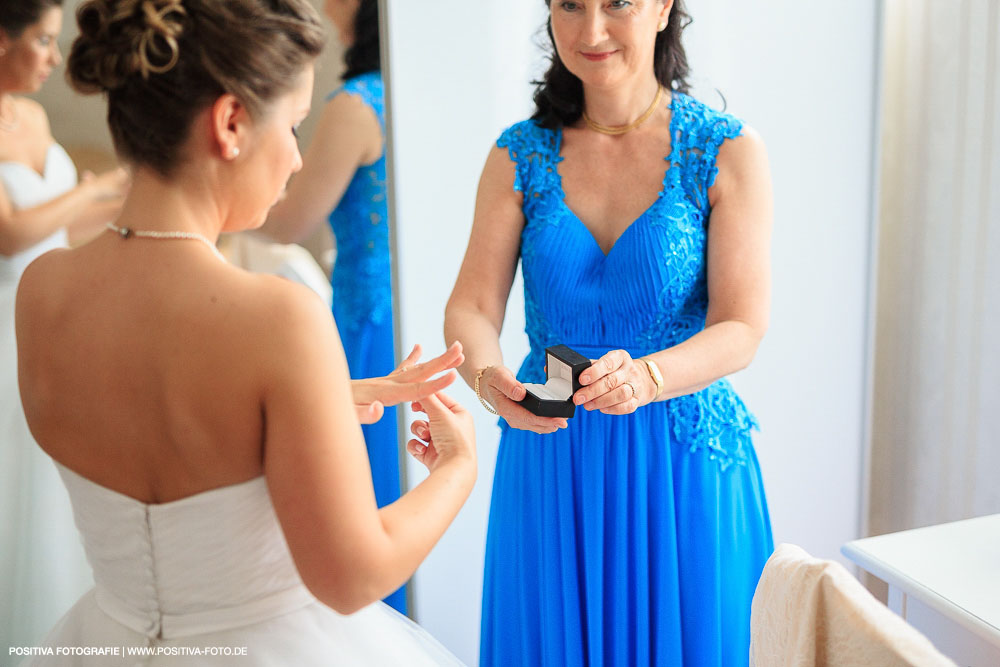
pixel 636 539
pixel 362 296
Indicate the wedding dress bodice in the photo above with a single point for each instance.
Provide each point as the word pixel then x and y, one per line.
pixel 26 188
pixel 208 562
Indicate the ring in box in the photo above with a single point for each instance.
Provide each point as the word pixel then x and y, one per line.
pixel 555 397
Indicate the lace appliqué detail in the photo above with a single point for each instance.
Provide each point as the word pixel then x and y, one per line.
pixel 535 153
pixel 361 280
pixel 713 420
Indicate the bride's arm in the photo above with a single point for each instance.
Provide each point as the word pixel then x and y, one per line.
pixel 89 204
pixel 348 552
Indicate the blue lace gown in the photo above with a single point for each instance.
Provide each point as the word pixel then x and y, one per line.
pixel 636 539
pixel 362 296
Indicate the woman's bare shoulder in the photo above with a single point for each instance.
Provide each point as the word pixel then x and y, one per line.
pixel 35 117
pixel 292 311
pixel 40 276
pixel 742 162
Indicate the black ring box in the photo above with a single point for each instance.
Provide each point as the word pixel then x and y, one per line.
pixel 555 398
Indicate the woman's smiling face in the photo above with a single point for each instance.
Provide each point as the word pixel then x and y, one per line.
pixel 607 42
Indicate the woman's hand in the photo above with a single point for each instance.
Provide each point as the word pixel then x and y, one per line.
pixel 369 413
pixel 110 185
pixel 410 382
pixel 105 195
pixel 500 388
pixel 615 384
pixel 447 434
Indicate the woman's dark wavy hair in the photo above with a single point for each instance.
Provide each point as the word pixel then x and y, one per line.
pixel 17 15
pixel 364 55
pixel 559 95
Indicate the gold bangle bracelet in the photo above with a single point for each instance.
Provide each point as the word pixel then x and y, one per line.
pixel 655 374
pixel 479 375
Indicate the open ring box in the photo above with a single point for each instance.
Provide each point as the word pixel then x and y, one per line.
pixel 555 397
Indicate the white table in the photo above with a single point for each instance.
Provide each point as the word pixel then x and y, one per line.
pixel 945 581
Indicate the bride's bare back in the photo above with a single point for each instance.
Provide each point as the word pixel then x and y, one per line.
pixel 145 363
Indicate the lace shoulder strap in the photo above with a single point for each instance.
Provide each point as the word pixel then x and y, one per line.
pixel 698 136
pixel 534 151
pixel 368 87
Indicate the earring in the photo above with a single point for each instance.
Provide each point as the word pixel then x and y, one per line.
pixel 662 26
pixel 233 152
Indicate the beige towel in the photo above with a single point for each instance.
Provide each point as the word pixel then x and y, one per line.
pixel 812 612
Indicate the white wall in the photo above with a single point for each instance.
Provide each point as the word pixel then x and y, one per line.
pixel 803 74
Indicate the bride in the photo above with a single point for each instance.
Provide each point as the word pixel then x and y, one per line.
pixel 201 417
pixel 42 566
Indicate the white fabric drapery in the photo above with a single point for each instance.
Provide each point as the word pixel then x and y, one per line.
pixel 936 413
pixel 810 612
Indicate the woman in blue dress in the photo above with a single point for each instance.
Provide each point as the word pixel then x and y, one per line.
pixel 343 181
pixel 635 532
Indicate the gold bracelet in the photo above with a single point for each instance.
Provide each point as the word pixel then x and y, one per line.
pixel 479 375
pixel 654 372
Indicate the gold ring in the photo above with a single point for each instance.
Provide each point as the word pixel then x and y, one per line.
pixel 632 387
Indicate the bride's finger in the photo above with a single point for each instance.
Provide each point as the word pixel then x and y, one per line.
pixel 416 449
pixel 421 429
pixel 369 413
pixel 414 391
pixel 451 358
pixel 449 402
pixel 437 384
pixel 411 359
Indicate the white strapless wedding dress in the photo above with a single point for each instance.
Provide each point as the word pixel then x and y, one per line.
pixel 209 580
pixel 43 570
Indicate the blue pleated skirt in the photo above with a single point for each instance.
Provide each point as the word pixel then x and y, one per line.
pixel 613 543
pixel 371 352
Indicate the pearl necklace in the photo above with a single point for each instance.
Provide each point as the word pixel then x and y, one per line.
pixel 615 130
pixel 126 233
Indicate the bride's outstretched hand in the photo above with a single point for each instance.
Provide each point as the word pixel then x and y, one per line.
pixel 369 413
pixel 447 434
pixel 412 381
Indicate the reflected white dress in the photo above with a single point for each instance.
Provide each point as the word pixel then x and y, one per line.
pixel 43 570
pixel 212 573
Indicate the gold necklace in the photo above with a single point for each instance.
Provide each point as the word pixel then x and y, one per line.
pixel 615 130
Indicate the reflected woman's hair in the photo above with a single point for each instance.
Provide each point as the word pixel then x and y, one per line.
pixel 364 54
pixel 559 95
pixel 161 62
pixel 16 15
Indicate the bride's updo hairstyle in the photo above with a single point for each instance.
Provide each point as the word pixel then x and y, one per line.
pixel 161 62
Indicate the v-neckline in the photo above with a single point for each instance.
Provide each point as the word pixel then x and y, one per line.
pixel 669 159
